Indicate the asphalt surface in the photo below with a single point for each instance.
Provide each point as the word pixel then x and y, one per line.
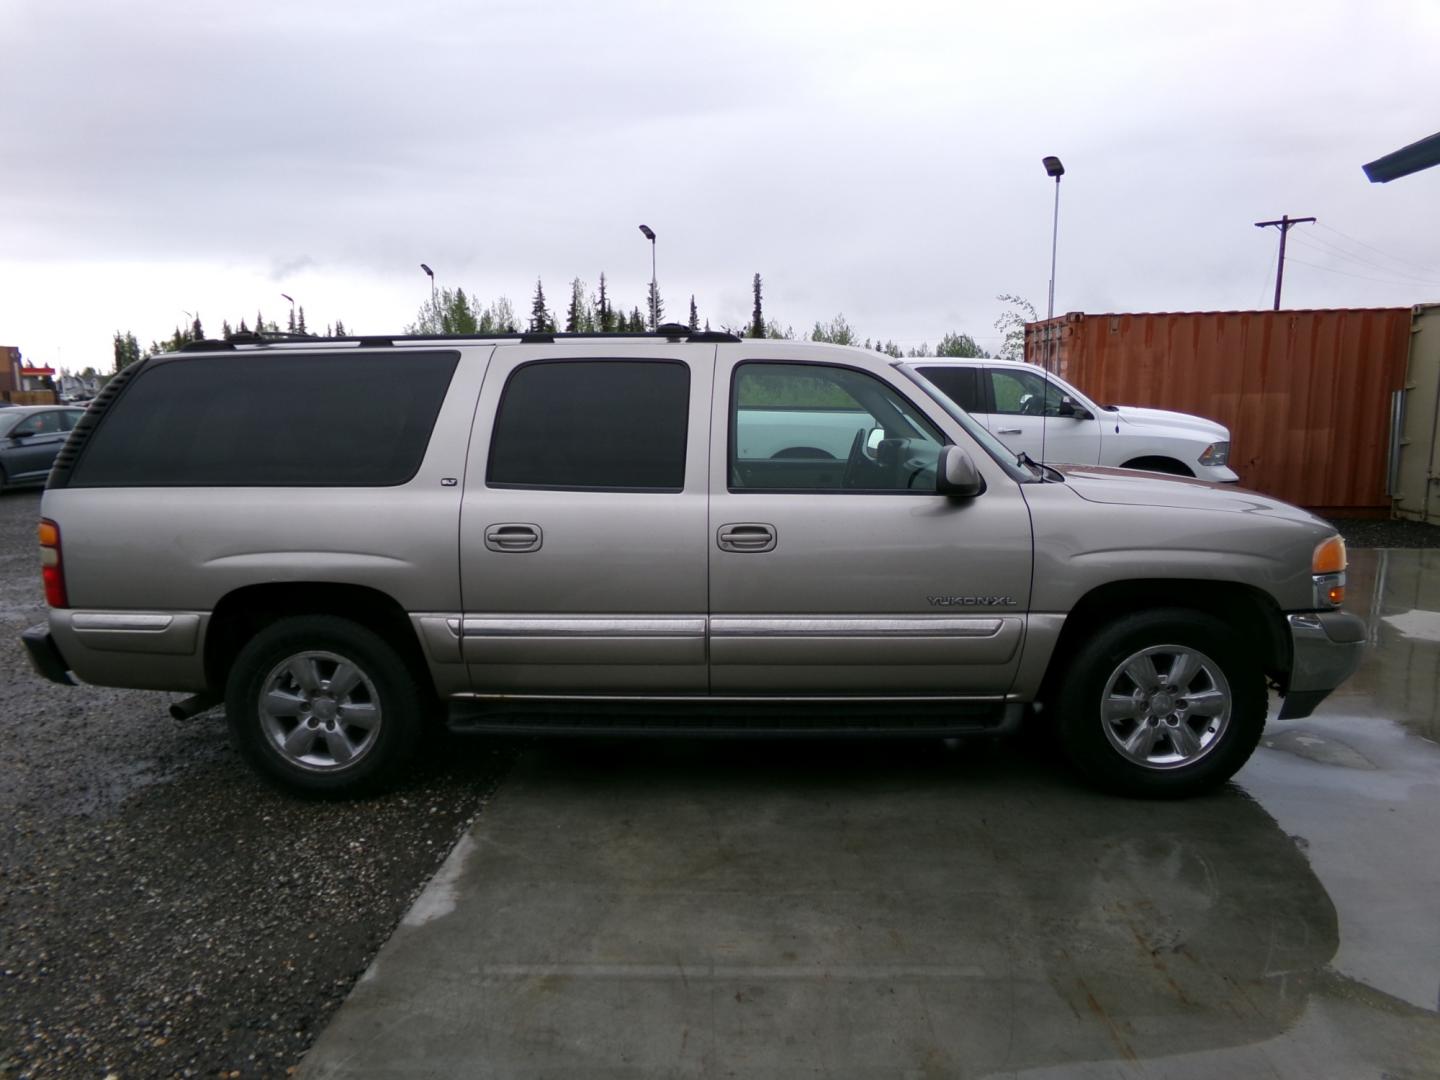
pixel 162 911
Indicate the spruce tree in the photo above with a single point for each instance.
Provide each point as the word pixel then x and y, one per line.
pixel 339 328
pixel 540 319
pixel 757 317
pixel 604 317
pixel 225 331
pixel 300 322
pixel 657 306
pixel 694 315
pixel 243 328
pixel 575 313
pixel 197 333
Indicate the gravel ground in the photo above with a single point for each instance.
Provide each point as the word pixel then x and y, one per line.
pixel 162 911
pixel 1362 532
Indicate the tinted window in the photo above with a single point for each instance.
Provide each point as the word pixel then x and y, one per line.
pixel 277 419
pixel 592 424
pixel 960 384
pixel 813 427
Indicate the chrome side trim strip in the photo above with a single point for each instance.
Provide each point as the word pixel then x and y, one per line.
pixel 600 626
pixel 132 621
pixel 774 699
pixel 869 627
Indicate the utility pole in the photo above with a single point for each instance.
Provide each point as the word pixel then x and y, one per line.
pixel 1285 224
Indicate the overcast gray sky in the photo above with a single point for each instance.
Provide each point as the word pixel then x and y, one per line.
pixel 877 159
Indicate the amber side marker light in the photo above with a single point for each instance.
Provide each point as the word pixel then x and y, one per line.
pixel 51 570
pixel 1329 562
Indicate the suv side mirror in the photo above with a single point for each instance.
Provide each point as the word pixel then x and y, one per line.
pixel 956 475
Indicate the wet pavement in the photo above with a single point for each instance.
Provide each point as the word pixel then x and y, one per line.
pixel 695 909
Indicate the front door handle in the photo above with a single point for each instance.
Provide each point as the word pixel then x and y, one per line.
pixel 513 536
pixel 746 537
pixel 1009 431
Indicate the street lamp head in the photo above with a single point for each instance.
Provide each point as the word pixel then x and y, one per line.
pixel 1053 167
pixel 649 233
pixel 427 270
pixel 287 296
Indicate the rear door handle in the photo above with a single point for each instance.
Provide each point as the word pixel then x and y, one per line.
pixel 1009 431
pixel 513 537
pixel 748 536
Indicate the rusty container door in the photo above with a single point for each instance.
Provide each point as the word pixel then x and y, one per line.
pixel 1307 395
pixel 1416 461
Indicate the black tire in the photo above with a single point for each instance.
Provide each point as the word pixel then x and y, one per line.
pixel 385 691
pixel 1173 768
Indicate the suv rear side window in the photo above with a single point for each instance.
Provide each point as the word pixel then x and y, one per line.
pixel 279 420
pixel 960 384
pixel 592 424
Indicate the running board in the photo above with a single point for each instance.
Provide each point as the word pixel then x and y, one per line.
pixel 701 717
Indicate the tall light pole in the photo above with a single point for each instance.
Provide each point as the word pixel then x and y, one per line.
pixel 431 274
pixel 1057 170
pixel 287 296
pixel 654 291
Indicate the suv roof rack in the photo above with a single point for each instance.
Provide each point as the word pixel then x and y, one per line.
pixel 668 331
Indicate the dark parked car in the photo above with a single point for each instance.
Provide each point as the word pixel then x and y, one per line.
pixel 30 437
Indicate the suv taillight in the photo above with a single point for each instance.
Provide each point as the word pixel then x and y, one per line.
pixel 51 569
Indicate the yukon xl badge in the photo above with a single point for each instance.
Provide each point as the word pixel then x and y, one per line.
pixel 971 601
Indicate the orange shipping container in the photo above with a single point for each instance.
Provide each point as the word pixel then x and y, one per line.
pixel 1306 394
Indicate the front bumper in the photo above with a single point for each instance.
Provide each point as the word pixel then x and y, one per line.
pixel 45 655
pixel 1326 650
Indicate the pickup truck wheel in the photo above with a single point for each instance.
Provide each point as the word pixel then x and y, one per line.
pixel 322 705
pixel 1161 704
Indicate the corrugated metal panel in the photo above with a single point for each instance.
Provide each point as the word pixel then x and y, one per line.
pixel 1305 394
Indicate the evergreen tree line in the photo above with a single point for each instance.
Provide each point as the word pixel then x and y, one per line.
pixel 127 346
pixel 452 311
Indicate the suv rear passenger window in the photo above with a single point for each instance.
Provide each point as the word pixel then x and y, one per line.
pixel 331 420
pixel 616 424
pixel 960 384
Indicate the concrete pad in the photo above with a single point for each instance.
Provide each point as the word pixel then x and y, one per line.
pixel 673 908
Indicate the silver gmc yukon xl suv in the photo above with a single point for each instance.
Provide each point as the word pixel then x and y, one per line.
pixel 341 539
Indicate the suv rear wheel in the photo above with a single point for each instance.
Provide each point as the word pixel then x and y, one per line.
pixel 322 705
pixel 1162 704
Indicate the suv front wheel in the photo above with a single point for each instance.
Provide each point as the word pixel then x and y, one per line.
pixel 1162 704
pixel 322 705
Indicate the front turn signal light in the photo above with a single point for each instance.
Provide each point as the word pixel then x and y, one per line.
pixel 1329 557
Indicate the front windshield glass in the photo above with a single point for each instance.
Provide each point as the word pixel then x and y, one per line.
pixel 1003 455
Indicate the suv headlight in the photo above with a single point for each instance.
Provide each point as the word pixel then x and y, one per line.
pixel 1327 568
pixel 1217 453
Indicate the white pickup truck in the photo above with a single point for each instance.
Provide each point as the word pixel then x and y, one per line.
pixel 1041 414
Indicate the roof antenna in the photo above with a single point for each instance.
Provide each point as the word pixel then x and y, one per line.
pixel 1054 168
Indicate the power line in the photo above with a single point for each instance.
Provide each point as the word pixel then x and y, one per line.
pixel 1366 277
pixel 1285 224
pixel 1386 254
pixel 1334 252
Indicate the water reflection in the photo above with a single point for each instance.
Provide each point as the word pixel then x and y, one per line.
pixel 1398 594
pixel 906 906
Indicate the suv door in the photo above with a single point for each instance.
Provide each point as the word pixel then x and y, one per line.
pixel 1025 415
pixel 834 565
pixel 583 523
